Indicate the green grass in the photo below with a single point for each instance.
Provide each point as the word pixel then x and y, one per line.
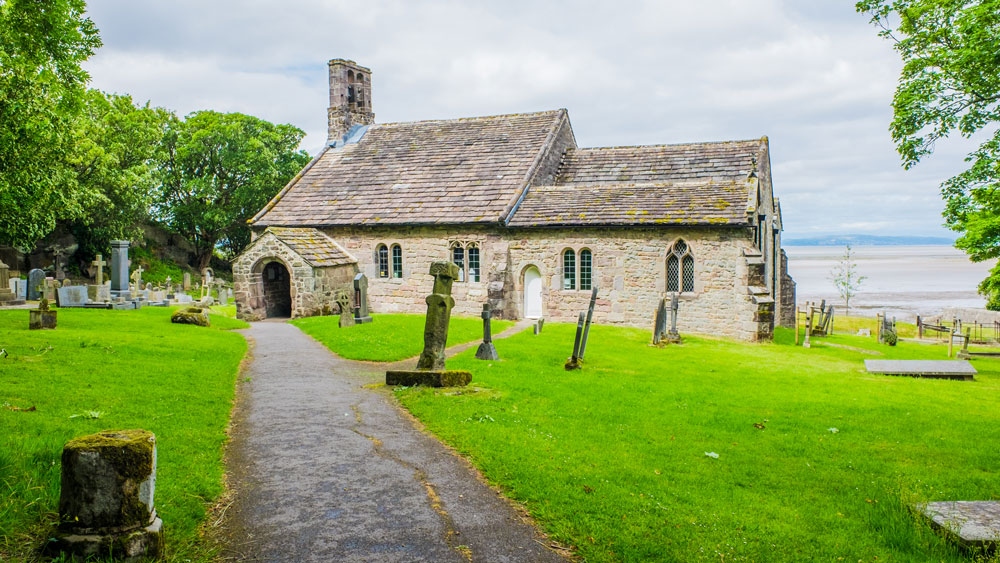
pixel 114 370
pixel 612 459
pixel 388 338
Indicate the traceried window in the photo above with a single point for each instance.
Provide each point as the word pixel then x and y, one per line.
pixel 397 261
pixel 586 269
pixel 569 269
pixel 382 259
pixel 680 268
pixel 458 257
pixel 473 250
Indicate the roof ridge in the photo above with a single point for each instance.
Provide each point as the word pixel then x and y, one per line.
pixel 689 144
pixel 473 118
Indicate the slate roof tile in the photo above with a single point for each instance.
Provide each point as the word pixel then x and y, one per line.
pixel 312 245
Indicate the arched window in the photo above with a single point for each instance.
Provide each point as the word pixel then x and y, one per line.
pixel 680 268
pixel 569 269
pixel 397 261
pixel 586 269
pixel 458 257
pixel 473 250
pixel 382 259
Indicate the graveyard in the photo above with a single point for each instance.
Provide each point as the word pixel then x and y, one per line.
pixel 123 369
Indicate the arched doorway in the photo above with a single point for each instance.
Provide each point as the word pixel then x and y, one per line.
pixel 532 297
pixel 277 290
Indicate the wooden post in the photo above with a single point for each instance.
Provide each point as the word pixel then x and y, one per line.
pixel 796 326
pixel 809 319
pixel 951 338
pixel 920 328
pixel 878 327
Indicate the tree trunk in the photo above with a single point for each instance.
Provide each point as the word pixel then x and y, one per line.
pixel 204 259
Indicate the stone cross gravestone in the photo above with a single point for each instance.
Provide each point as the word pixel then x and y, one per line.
pixel 42 317
pixel 487 351
pixel 346 315
pixel 36 278
pixel 361 314
pixel 100 263
pixel 57 259
pixel 430 367
pixel 106 497
pixel 119 268
pixel 673 336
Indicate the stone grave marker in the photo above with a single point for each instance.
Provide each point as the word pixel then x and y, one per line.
pixel 673 337
pixel 186 281
pixel 660 324
pixel 119 269
pixel 574 361
pixel 586 326
pixel 20 288
pixel 207 275
pixel 49 289
pixel 106 497
pixel 42 317
pixel 361 315
pixel 36 279
pixel 7 295
pixel 73 296
pixel 487 351
pixel 975 524
pixel 344 301
pixel 100 263
pixel 57 259
pixel 431 366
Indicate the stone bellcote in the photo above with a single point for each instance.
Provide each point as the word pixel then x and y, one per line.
pixel 350 98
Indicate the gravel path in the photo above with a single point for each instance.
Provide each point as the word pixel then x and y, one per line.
pixel 324 469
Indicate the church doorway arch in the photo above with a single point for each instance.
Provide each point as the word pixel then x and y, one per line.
pixel 532 297
pixel 277 290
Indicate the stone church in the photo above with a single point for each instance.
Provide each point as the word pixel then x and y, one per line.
pixel 533 221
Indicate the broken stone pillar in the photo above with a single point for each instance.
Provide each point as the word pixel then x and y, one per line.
pixel 106 500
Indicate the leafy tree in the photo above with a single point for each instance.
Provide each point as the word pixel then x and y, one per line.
pixel 846 278
pixel 113 164
pixel 42 88
pixel 216 170
pixel 951 83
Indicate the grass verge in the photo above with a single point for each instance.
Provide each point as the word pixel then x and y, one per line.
pixel 388 338
pixel 816 459
pixel 114 370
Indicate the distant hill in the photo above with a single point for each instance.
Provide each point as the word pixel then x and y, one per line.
pixel 867 240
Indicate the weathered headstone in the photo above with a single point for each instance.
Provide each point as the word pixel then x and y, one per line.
pixel 42 317
pixel 346 315
pixel 100 263
pixel 73 296
pixel 136 280
pixel 58 259
pixel 361 315
pixel 487 351
pixel 659 325
pixel 119 269
pixel 36 281
pixel 49 289
pixel 574 361
pixel 106 498
pixel 586 326
pixel 431 366
pixel 170 288
pixel 184 298
pixel 7 295
pixel 539 324
pixel 20 288
pixel 207 275
pixel 673 336
pixel 186 281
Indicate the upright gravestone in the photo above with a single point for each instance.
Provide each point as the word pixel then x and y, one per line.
pixel 673 336
pixel 7 295
pixel 72 296
pixel 106 497
pixel 361 314
pixel 58 260
pixel 586 326
pixel 431 366
pixel 36 279
pixel 187 281
pixel 659 325
pixel 487 351
pixel 574 362
pixel 346 315
pixel 42 317
pixel 100 263
pixel 119 269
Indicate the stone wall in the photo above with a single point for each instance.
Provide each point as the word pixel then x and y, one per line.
pixel 629 266
pixel 311 289
pixel 786 295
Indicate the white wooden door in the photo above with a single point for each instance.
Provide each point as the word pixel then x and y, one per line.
pixel 532 293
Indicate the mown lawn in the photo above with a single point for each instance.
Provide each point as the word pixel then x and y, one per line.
pixel 817 460
pixel 114 370
pixel 389 338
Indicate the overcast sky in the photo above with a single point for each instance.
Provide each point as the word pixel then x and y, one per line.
pixel 812 75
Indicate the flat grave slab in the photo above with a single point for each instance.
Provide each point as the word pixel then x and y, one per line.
pixel 973 523
pixel 937 369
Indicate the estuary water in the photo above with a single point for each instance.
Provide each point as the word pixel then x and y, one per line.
pixel 904 281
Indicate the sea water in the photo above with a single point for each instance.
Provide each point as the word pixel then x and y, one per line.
pixel 903 281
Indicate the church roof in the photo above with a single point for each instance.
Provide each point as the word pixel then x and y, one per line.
pixel 691 184
pixel 426 172
pixel 313 246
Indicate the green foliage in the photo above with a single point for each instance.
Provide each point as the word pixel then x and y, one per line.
pixel 951 83
pixel 154 269
pixel 42 90
pixel 389 338
pixel 114 369
pixel 113 165
pixel 612 459
pixel 216 170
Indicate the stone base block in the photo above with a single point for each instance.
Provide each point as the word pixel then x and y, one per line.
pixel 12 302
pixel 38 319
pixel 446 378
pixel 362 320
pixel 487 351
pixel 573 363
pixel 122 546
pixel 191 316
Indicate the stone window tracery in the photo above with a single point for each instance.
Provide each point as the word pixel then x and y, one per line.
pixel 569 269
pixel 466 255
pixel 473 250
pixel 680 268
pixel 382 260
pixel 397 261
pixel 586 269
